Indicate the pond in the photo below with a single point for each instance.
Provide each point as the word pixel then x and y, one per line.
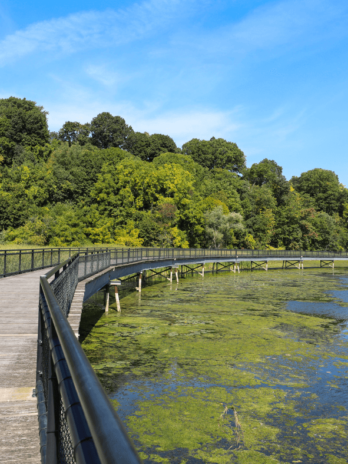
pixel 229 368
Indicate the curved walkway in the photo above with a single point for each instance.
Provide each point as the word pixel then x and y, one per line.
pixel 19 431
pixel 19 297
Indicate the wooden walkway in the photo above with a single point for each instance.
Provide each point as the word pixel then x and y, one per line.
pixel 19 431
pixel 19 301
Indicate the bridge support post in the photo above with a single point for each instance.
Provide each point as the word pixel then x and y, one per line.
pixel 106 298
pixel 177 275
pixel 202 273
pixel 140 279
pixel 262 265
pixel 327 263
pixel 171 275
pixel 293 263
pixel 117 298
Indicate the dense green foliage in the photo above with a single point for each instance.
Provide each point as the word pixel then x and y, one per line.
pixel 101 182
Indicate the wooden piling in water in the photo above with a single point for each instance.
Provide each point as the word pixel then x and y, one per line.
pixel 140 279
pixel 117 297
pixel 106 298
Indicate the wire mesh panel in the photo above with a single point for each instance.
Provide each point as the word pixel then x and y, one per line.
pixel 54 406
pixel 64 286
pixel 65 447
pixel 90 264
pixel 44 345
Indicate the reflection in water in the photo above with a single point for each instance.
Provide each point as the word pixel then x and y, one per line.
pixel 230 368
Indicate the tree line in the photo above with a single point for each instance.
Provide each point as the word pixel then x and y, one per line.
pixel 103 182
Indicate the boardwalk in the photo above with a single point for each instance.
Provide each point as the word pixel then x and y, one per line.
pixel 19 436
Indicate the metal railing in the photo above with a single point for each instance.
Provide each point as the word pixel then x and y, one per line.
pixel 18 261
pixel 76 419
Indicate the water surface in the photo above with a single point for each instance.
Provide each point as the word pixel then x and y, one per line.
pixel 248 368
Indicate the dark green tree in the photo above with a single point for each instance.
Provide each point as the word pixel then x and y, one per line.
pixel 110 131
pixel 75 169
pixel 269 173
pixel 324 187
pixel 23 124
pixel 216 153
pixel 74 132
pixel 148 147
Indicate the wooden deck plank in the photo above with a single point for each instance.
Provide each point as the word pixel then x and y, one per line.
pixel 19 431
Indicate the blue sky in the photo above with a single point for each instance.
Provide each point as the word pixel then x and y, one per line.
pixel 268 75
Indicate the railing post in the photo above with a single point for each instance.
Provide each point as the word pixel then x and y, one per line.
pixel 5 260
pixel 20 261
pixel 32 260
pixel 128 254
pixel 43 258
pixel 58 255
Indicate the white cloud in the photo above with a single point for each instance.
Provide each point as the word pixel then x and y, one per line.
pixel 94 29
pixel 102 75
pixel 186 125
pixel 181 125
pixel 276 25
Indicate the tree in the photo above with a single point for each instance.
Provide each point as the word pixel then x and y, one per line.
pixel 216 153
pixel 162 144
pixel 259 206
pixel 148 147
pixel 224 185
pixel 22 190
pixel 269 173
pixel 74 170
pixel 220 227
pixel 22 124
pixel 110 131
pixel 74 132
pixel 149 229
pixel 324 187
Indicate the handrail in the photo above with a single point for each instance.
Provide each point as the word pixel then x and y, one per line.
pixel 18 261
pixel 109 436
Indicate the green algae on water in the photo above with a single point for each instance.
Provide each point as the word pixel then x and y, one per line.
pixel 219 370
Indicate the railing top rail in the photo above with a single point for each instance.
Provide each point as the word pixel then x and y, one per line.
pixel 50 249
